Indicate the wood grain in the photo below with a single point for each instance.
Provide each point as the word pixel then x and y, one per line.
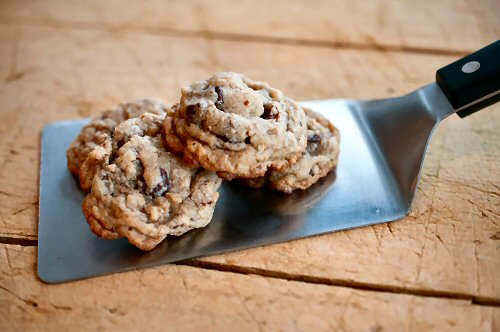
pixel 428 272
pixel 446 26
pixel 58 74
pixel 449 244
pixel 192 299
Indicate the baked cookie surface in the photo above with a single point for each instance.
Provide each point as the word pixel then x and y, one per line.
pixel 236 127
pixel 143 192
pixel 319 158
pixel 102 126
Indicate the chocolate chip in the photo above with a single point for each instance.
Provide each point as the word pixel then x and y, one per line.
pixel 163 186
pixel 267 111
pixel 270 112
pixel 113 157
pixel 223 138
pixel 219 93
pixel 120 143
pixel 246 102
pixel 247 140
pixel 313 138
pixel 191 111
pixel 220 99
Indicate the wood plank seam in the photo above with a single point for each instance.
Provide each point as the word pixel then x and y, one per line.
pixel 481 301
pixel 228 36
pixel 476 300
pixel 25 242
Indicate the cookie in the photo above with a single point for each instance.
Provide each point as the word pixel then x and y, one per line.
pixel 145 193
pixel 319 158
pixel 236 127
pixel 102 126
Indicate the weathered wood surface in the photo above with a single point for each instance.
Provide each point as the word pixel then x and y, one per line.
pixel 445 26
pixel 181 298
pixel 52 68
pixel 63 74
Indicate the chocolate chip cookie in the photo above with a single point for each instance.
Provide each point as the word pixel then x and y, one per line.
pixel 319 158
pixel 143 192
pixel 102 126
pixel 236 127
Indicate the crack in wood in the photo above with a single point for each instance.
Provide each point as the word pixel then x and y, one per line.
pixel 19 241
pixel 474 300
pixel 229 36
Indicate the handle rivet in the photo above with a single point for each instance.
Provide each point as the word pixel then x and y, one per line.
pixel 471 67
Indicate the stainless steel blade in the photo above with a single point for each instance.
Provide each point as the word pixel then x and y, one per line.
pixel 371 185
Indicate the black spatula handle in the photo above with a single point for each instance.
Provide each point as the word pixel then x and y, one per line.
pixel 473 82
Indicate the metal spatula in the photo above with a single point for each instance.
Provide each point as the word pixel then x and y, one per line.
pixel 382 147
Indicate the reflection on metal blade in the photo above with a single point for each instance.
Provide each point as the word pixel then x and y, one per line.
pixel 360 192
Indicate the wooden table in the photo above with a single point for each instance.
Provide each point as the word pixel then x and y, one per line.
pixel 438 269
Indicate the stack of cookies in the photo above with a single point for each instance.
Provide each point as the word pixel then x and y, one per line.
pixel 151 170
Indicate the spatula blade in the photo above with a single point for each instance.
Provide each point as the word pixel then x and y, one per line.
pixel 361 192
